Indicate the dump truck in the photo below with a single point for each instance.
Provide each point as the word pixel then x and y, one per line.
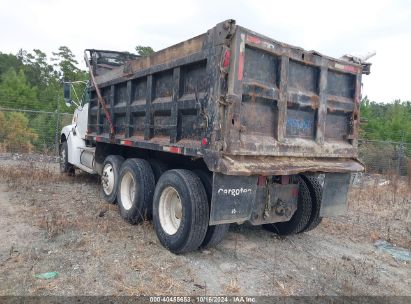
pixel 227 127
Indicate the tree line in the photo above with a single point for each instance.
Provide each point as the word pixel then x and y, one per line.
pixel 386 121
pixel 30 82
pixel 34 81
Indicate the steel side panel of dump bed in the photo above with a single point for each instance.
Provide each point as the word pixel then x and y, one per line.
pixel 272 105
pixel 164 101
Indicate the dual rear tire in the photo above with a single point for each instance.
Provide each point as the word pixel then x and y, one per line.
pixel 316 192
pixel 181 208
pixel 135 190
pixel 131 184
pixel 179 204
pixel 180 211
pixel 215 233
pixel 307 215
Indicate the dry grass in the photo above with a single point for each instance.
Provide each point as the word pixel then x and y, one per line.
pixel 378 209
pixel 30 173
pixel 135 263
pixel 232 287
pixel 26 174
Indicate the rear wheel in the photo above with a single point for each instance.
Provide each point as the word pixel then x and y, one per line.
pixel 158 168
pixel 215 233
pixel 136 188
pixel 316 192
pixel 180 211
pixel 300 217
pixel 110 177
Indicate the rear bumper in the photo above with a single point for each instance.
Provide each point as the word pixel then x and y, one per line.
pixel 272 165
pixel 236 199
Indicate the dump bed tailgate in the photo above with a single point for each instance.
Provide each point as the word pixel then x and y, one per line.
pixel 285 101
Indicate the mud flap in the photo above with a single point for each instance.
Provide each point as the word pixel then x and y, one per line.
pixel 335 191
pixel 233 198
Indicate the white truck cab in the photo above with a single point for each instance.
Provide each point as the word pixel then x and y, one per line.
pixel 73 149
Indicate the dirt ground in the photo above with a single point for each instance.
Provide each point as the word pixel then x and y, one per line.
pixel 50 222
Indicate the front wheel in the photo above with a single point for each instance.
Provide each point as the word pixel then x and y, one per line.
pixel 180 211
pixel 65 166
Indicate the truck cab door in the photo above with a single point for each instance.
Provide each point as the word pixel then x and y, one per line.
pixel 81 120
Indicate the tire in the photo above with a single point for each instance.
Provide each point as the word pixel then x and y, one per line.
pixel 110 177
pixel 135 174
pixel 215 233
pixel 158 168
pixel 300 217
pixel 316 192
pixel 180 211
pixel 65 166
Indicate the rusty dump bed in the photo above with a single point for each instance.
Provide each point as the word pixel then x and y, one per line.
pixel 244 102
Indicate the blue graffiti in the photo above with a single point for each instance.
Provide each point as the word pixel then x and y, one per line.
pixel 293 123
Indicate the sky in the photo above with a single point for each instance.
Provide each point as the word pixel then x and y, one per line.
pixel 333 28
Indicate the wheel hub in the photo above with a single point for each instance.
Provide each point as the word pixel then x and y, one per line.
pixel 127 190
pixel 107 179
pixel 170 210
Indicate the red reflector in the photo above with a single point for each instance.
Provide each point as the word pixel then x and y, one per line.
pixel 262 180
pixel 127 142
pixel 240 66
pixel 172 149
pixel 175 150
pixel 253 39
pixel 227 56
pixel 351 69
pixel 204 141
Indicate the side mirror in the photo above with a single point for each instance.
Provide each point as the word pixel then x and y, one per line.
pixel 67 94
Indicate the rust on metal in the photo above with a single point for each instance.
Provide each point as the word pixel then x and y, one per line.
pixel 231 94
pixel 267 166
pixel 180 50
pixel 99 96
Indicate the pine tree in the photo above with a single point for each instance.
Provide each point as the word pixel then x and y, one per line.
pixel 15 92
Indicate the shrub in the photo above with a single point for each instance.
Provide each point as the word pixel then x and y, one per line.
pixel 15 134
